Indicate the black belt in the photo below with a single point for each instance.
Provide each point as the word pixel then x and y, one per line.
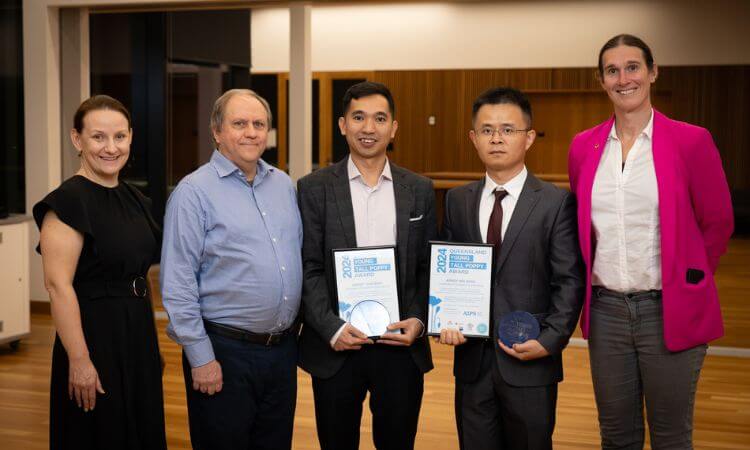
pixel 239 334
pixel 90 290
pixel 635 295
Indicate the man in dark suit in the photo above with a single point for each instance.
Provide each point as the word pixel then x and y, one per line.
pixel 505 397
pixel 364 200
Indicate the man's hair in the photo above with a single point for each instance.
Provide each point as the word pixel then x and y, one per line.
pixel 366 89
pixel 503 96
pixel 217 114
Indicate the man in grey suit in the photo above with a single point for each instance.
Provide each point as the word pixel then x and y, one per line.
pixel 365 200
pixel 506 397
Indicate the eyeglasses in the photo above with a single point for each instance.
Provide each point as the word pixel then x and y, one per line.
pixel 507 131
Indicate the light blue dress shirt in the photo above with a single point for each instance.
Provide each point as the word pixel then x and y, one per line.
pixel 231 254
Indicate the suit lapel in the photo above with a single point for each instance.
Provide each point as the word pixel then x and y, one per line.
pixel 664 167
pixel 526 202
pixel 404 203
pixel 344 202
pixel 586 184
pixel 472 203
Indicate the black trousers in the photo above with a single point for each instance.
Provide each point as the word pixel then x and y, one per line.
pixel 255 409
pixel 395 385
pixel 493 415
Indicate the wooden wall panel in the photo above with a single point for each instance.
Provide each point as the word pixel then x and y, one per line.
pixel 557 119
pixel 450 94
pixel 565 101
pixel 717 98
pixel 411 93
pixel 560 115
pixel 576 78
pixel 446 103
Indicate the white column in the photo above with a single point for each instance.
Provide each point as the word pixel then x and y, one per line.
pixel 41 78
pixel 74 78
pixel 300 90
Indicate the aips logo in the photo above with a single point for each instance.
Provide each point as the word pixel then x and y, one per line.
pixel 346 267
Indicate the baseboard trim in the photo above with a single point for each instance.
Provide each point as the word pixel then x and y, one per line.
pixel 39 307
pixel 736 352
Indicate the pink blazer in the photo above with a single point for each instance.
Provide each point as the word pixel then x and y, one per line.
pixel 695 211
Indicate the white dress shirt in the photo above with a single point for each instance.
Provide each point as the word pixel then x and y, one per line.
pixel 374 212
pixel 625 216
pixel 513 187
pixel 374 207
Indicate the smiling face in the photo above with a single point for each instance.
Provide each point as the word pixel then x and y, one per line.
pixel 104 144
pixel 243 133
pixel 627 78
pixel 368 126
pixel 501 153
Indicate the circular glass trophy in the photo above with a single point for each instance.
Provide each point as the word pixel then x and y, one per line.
pixel 517 327
pixel 370 317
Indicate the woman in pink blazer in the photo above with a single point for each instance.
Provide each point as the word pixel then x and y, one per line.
pixel 654 216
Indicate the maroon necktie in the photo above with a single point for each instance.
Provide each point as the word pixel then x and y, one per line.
pixel 495 227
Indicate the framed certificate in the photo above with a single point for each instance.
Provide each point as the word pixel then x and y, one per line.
pixel 367 288
pixel 460 288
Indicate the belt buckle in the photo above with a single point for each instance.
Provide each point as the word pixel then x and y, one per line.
pixel 140 288
pixel 273 339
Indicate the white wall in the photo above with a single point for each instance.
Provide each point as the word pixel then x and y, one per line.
pixel 512 33
pixel 542 33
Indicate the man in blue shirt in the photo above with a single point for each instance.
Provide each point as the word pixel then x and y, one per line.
pixel 231 280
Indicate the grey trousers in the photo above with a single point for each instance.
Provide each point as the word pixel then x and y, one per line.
pixel 630 362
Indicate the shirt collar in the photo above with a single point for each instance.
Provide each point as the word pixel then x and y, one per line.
pixel 224 167
pixel 513 187
pixel 353 172
pixel 648 130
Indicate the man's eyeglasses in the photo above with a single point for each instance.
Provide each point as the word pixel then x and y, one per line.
pixel 507 131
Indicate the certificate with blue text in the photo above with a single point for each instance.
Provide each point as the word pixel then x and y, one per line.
pixel 367 288
pixel 460 288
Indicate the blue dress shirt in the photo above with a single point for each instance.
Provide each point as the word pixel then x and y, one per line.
pixel 231 254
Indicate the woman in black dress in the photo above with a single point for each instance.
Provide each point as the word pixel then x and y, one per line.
pixel 97 242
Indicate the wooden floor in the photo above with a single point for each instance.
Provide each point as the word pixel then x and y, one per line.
pixel 722 405
pixel 733 282
pixel 722 418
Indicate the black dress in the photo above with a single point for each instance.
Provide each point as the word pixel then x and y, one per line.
pixel 121 240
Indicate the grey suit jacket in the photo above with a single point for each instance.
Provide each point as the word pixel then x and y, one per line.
pixel 325 203
pixel 539 270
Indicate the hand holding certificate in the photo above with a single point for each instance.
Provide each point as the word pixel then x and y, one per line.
pixel 367 288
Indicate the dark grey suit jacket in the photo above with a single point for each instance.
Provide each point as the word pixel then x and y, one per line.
pixel 539 270
pixel 325 203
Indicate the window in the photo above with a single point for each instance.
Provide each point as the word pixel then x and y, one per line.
pixel 12 189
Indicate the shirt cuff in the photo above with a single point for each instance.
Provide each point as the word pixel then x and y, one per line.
pixel 200 353
pixel 337 334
